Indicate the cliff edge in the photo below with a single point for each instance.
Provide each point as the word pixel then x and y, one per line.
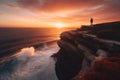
pixel 83 50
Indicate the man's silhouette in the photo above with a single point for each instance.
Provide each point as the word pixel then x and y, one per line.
pixel 91 21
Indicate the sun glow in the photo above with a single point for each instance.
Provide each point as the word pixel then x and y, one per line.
pixel 59 25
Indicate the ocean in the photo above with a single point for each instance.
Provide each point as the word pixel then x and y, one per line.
pixel 25 53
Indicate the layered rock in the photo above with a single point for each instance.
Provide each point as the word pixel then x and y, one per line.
pixel 106 69
pixel 81 46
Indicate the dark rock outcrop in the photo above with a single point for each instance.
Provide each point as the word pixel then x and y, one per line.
pixel 100 36
pixel 106 69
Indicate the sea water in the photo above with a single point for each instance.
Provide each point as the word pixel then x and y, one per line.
pixel 32 50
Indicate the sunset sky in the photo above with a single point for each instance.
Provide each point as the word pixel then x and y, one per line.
pixel 47 13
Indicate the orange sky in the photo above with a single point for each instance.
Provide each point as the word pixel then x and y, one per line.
pixel 47 13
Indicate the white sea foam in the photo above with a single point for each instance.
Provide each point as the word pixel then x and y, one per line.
pixel 31 64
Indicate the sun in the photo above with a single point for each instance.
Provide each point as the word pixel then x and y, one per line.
pixel 59 25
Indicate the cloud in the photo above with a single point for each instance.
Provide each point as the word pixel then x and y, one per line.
pixel 1 13
pixel 113 2
pixel 78 8
pixel 31 4
pixel 55 5
pixel 62 10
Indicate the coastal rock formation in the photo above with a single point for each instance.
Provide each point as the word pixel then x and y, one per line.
pixel 106 69
pixel 82 48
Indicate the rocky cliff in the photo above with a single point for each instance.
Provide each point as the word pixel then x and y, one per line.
pixel 82 48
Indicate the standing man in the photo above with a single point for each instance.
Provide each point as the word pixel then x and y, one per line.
pixel 91 21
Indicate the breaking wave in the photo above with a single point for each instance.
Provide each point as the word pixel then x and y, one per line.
pixel 30 64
